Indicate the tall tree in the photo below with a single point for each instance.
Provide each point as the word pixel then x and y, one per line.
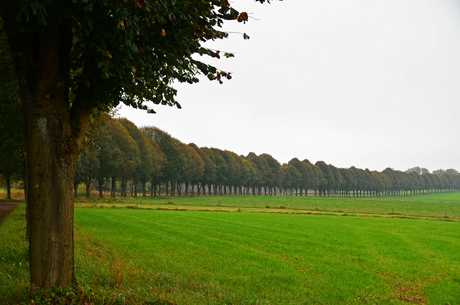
pixel 272 177
pixel 143 169
pixel 305 170
pixel 194 167
pixel 262 168
pixel 93 54
pixel 174 163
pixel 87 168
pixel 328 182
pixel 418 170
pixel 156 172
pixel 209 174
pixel 221 169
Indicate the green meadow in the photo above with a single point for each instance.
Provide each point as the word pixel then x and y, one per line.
pixel 256 250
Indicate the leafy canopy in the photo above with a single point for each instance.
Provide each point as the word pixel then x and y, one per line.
pixel 128 50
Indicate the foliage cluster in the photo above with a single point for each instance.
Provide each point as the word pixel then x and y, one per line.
pixel 152 155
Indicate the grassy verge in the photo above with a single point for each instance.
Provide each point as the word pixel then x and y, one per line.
pixel 14 274
pixel 103 275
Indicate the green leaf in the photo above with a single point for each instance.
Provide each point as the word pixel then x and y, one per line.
pixel 88 7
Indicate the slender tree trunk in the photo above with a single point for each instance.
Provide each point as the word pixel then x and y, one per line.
pixel 113 187
pixel 75 189
pixel 135 187
pixel 123 187
pixel 100 182
pixel 144 187
pixel 8 187
pixel 88 186
pixel 26 195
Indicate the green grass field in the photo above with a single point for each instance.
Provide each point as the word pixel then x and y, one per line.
pixel 188 256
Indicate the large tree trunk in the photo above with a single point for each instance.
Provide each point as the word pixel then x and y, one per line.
pixel 53 135
pixel 54 132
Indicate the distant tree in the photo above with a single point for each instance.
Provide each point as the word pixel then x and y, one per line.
pixel 252 175
pixel 338 179
pixel 261 170
pixel 156 172
pixel 209 173
pixel 194 167
pixel 110 159
pixel 232 169
pixel 418 170
pixel 306 175
pixel 272 177
pixel 438 171
pixel 451 171
pixel 143 169
pixel 221 169
pixel 373 184
pixel 346 186
pixel 318 180
pixel 130 155
pixel 243 174
pixel 395 183
pixel 174 164
pixel 87 168
pixel 12 137
pixel 328 182
pixel 293 180
pixel 415 182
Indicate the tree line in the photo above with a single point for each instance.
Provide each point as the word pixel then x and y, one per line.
pixel 150 161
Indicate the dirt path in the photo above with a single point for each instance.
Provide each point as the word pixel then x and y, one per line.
pixel 5 208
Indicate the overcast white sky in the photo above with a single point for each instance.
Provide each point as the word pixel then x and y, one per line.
pixel 365 83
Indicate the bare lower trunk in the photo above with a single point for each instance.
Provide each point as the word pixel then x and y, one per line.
pixel 144 187
pixel 8 187
pixel 123 187
pixel 88 186
pixel 113 187
pixel 100 182
pixel 134 187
